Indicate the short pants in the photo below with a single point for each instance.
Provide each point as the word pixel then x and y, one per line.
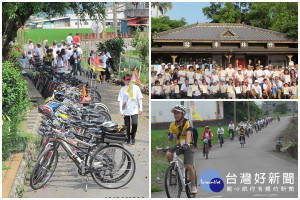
pixel 188 155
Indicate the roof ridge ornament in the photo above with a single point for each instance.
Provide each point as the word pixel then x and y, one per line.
pixel 228 33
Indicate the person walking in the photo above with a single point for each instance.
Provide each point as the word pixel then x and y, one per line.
pixel 131 106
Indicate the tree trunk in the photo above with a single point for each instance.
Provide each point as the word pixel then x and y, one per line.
pixel 10 29
pixel 115 19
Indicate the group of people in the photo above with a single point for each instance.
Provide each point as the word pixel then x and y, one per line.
pixel 186 135
pixel 213 81
pixel 65 55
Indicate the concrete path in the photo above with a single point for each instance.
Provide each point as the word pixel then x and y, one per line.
pixel 258 156
pixel 67 183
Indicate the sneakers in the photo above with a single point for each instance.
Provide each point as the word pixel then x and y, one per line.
pixel 133 141
pixel 194 189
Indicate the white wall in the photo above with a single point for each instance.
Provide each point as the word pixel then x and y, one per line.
pixel 161 111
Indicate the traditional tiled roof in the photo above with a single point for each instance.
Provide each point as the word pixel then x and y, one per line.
pixel 221 31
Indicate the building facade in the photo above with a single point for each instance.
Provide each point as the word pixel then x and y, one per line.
pixel 207 110
pixel 221 43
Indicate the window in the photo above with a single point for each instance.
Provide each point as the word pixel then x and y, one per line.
pixel 76 23
pixel 146 5
pixel 86 23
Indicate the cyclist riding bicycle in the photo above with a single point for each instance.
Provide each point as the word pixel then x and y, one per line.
pixel 231 128
pixel 207 134
pixel 182 129
pixel 242 134
pixel 221 133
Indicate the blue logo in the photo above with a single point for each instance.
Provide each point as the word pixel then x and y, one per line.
pixel 211 181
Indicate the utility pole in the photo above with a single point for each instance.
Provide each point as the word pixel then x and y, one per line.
pixel 234 112
pixel 248 111
pixel 115 18
pixel 104 23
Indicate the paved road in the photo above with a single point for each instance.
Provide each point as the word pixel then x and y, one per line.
pixel 66 182
pixel 258 156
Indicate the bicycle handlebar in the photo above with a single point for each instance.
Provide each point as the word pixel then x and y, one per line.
pixel 171 149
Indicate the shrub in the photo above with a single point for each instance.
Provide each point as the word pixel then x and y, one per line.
pixel 15 101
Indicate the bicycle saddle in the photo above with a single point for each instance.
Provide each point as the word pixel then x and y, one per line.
pixel 97 121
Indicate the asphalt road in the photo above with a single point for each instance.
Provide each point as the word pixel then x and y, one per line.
pixel 67 183
pixel 258 156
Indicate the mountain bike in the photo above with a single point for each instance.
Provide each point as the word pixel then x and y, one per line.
pixel 242 141
pixel 176 176
pixel 221 139
pixel 111 166
pixel 206 148
pixel 231 134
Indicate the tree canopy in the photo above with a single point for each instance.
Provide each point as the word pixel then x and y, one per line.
pixel 162 7
pixel 165 23
pixel 276 16
pixel 15 14
pixel 241 110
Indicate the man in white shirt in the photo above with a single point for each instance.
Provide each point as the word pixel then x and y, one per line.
pixel 130 107
pixel 256 90
pixel 37 52
pixel 103 59
pixel 69 39
pixel 184 89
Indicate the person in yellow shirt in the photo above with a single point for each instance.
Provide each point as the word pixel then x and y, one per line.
pixel 182 130
pixel 242 134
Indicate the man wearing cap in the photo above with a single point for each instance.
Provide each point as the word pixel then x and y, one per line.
pixel 182 130
pixel 267 89
pixel 207 134
pixel 259 74
pixel 170 68
pixel 246 88
pixel 229 72
pixel 277 88
pixel 162 70
pixel 131 105
pixel 256 90
pixel 223 89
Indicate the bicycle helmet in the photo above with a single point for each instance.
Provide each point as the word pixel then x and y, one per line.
pixel 179 108
pixel 110 126
pixel 46 110
pixel 59 96
pixel 220 125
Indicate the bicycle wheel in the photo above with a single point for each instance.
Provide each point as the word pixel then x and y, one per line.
pixel 101 107
pixel 44 168
pixel 105 116
pixel 110 170
pixel 188 187
pixel 173 184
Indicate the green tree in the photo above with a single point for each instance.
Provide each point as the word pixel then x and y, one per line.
pixel 15 14
pixel 161 7
pixel 141 43
pixel 115 47
pixel 241 111
pixel 277 16
pixel 281 108
pixel 163 24
pixel 226 12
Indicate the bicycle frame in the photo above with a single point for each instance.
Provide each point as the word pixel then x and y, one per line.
pixel 178 161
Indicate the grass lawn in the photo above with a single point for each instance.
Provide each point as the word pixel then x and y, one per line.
pixel 158 159
pixel 39 35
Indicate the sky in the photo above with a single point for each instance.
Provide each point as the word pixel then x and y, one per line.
pixel 191 11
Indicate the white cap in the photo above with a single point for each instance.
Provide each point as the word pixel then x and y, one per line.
pixel 256 81
pixel 163 64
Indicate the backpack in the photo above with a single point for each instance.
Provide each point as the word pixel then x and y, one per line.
pixel 72 59
pixel 180 130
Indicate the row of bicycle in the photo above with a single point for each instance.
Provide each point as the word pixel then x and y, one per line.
pixel 83 129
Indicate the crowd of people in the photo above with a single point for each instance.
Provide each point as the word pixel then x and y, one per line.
pixel 217 82
pixel 65 55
